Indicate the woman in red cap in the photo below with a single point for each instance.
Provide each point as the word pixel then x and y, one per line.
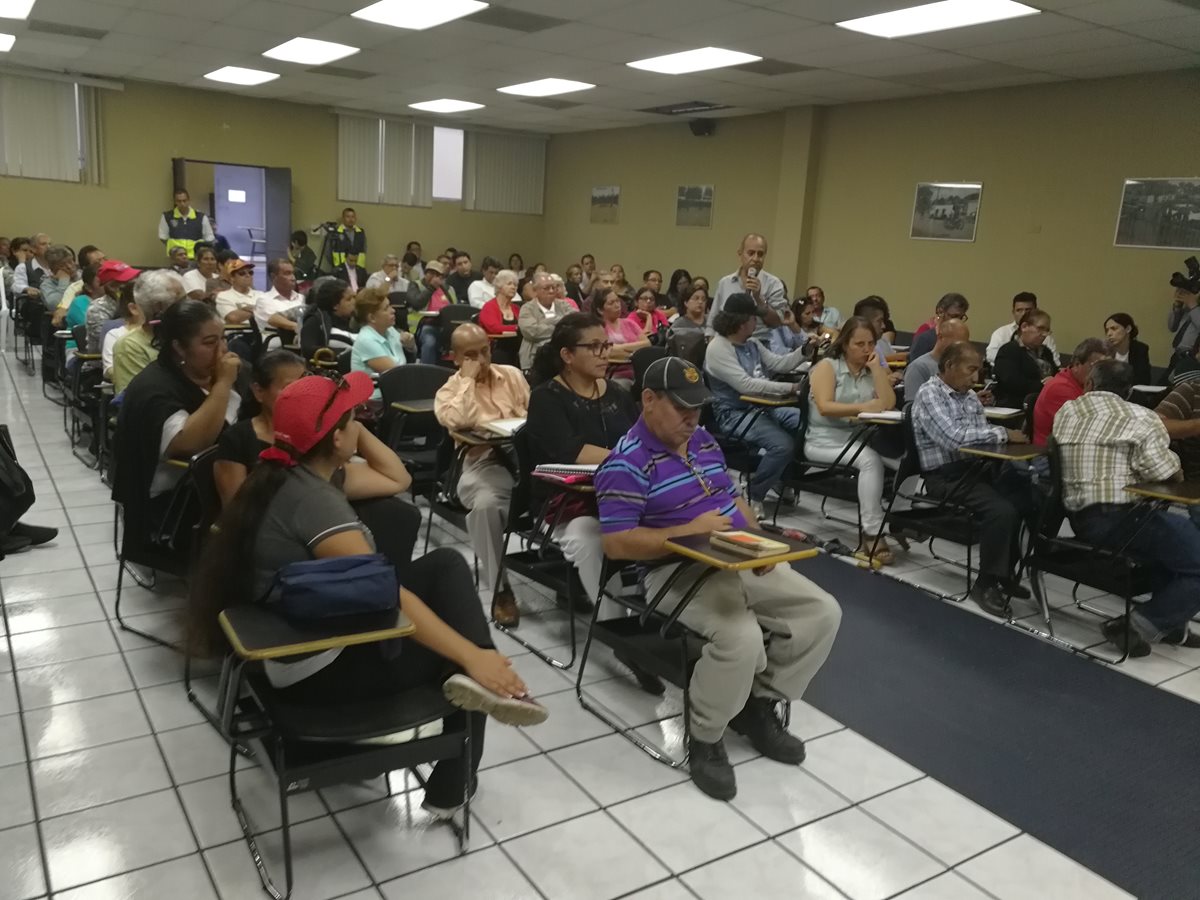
pixel 288 511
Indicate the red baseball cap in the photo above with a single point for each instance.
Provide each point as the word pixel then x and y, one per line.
pixel 114 270
pixel 306 410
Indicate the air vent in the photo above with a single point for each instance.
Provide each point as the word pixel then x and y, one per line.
pixel 773 67
pixel 339 72
pixel 92 34
pixel 551 103
pixel 686 108
pixel 514 19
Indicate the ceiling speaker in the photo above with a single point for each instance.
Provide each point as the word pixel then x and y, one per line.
pixel 703 127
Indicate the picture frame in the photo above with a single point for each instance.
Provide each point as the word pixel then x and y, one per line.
pixel 946 211
pixel 1159 214
pixel 694 206
pixel 605 207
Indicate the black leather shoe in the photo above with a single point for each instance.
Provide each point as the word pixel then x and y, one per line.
pixel 1182 637
pixel 761 726
pixel 710 768
pixel 991 600
pixel 1016 590
pixel 647 681
pixel 1116 630
pixel 13 544
pixel 37 534
pixel 504 609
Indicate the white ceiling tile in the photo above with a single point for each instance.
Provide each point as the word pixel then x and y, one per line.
pixel 855 88
pixel 833 10
pixel 958 80
pixel 1110 68
pixel 869 50
pixel 663 17
pixel 149 24
pixel 564 9
pixel 1040 51
pixel 796 46
pixel 742 26
pixel 284 20
pixel 73 12
pixel 1022 29
pixel 929 61
pixel 31 46
pixel 252 43
pixel 188 11
pixel 1121 12
pixel 368 35
pixel 1142 52
pixel 1182 32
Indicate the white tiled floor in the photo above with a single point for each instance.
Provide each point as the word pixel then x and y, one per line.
pixel 112 787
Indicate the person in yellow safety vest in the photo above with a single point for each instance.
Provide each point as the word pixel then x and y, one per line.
pixel 350 239
pixel 183 226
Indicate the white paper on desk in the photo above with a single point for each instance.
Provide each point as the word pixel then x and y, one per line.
pixel 1149 388
pixel 1001 412
pixel 504 427
pixel 888 415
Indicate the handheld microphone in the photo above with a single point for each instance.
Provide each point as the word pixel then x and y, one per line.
pixel 752 272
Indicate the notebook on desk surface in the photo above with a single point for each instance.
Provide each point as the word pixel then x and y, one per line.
pixel 746 544
pixel 503 427
pixel 888 415
pixel 1002 411
pixel 567 473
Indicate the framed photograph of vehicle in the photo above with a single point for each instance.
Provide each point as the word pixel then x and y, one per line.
pixel 946 210
pixel 1163 213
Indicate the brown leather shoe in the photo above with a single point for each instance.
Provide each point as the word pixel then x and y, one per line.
pixel 504 609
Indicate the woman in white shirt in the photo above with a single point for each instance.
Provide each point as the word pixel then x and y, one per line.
pixel 196 281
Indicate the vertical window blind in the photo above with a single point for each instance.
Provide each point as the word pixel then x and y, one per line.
pixel 384 161
pixel 504 172
pixel 49 129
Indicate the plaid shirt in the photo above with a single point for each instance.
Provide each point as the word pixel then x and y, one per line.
pixel 945 420
pixel 1107 444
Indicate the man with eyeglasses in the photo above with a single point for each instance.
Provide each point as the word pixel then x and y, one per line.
pixel 236 305
pixel 949 306
pixel 665 479
pixel 480 392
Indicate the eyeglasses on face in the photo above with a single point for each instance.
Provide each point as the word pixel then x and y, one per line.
pixel 598 348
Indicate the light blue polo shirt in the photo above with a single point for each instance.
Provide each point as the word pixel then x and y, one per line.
pixel 370 344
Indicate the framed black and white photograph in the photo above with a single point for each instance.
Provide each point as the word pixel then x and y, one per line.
pixel 1163 213
pixel 946 210
pixel 693 205
pixel 606 205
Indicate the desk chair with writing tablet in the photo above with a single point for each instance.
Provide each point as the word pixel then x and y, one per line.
pixel 1105 567
pixel 538 558
pixel 656 641
pixel 408 424
pixel 309 747
pixel 930 519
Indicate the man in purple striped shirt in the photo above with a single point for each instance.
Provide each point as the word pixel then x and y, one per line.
pixel 667 478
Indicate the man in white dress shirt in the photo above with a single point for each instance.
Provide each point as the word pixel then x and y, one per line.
pixel 483 290
pixel 279 307
pixel 1021 304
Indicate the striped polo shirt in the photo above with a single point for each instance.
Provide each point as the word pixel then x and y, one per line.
pixel 642 483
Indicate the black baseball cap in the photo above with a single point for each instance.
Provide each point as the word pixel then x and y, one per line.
pixel 679 380
pixel 740 304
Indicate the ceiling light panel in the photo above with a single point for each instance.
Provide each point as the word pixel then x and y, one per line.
pixel 546 87
pixel 15 9
pixel 445 105
pixel 694 61
pixel 940 16
pixel 6 42
pixel 238 75
pixel 417 15
pixel 310 52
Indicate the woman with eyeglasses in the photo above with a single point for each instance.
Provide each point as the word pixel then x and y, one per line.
pixel 625 335
pixel 646 312
pixel 576 416
pixel 1122 332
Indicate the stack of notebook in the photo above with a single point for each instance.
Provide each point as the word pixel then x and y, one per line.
pixel 744 543
pixel 565 474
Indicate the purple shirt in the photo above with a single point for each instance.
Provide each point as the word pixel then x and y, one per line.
pixel 642 483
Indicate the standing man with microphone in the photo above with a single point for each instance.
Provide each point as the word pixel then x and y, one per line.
pixel 769 298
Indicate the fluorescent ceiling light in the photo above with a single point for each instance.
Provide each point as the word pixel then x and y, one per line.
pixel 938 17
pixel 238 75
pixel 546 87
pixel 694 61
pixel 6 42
pixel 964 185
pixel 15 9
pixel 310 52
pixel 417 14
pixel 445 106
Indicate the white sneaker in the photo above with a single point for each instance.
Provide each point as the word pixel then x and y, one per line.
pixel 759 511
pixel 467 693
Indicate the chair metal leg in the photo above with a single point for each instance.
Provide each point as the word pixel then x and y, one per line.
pixel 121 569
pixel 539 653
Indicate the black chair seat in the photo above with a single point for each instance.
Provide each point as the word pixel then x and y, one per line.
pixel 646 646
pixel 1079 562
pixel 933 522
pixel 837 484
pixel 354 720
pixel 552 571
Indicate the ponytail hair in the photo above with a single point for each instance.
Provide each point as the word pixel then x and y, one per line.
pixel 224 575
pixel 548 361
